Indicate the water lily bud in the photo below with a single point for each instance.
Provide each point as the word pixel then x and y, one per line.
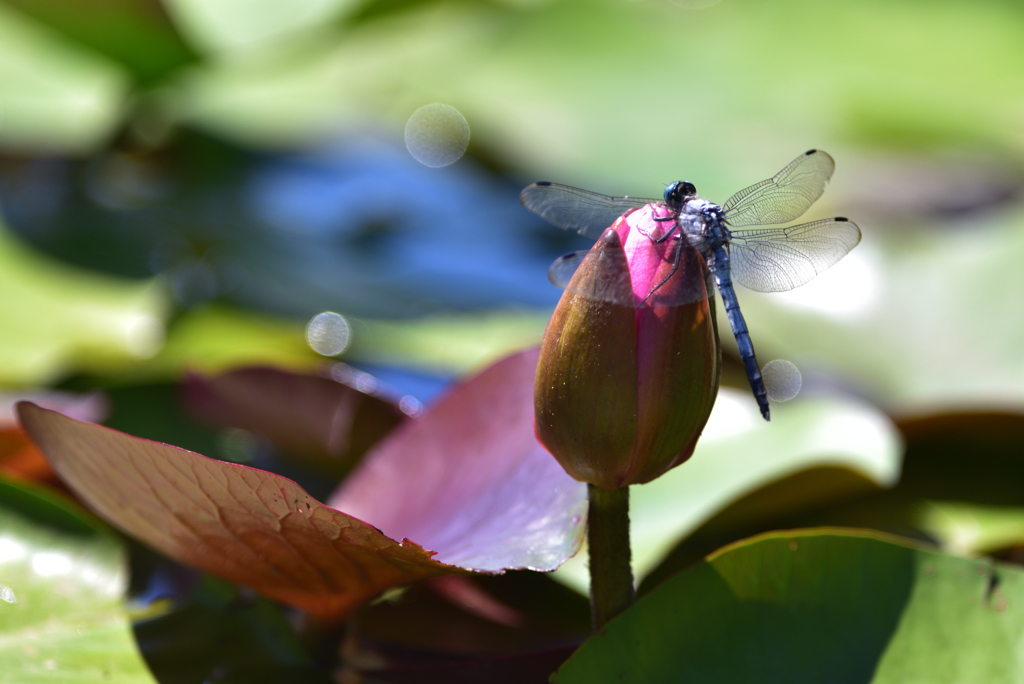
pixel 627 377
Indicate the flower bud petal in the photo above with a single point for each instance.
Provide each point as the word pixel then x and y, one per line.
pixel 585 396
pixel 678 368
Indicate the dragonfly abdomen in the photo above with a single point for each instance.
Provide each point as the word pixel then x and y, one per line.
pixel 723 279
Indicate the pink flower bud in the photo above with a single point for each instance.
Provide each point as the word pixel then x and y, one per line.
pixel 626 381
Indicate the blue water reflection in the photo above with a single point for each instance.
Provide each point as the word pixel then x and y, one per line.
pixel 366 227
pixel 358 227
pixel 396 382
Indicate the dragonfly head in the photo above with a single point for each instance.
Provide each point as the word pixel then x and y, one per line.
pixel 678 193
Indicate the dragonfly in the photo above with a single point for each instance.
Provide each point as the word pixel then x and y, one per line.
pixel 760 258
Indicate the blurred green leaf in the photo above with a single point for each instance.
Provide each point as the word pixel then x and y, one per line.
pixel 233 24
pixel 62 578
pixel 134 33
pixel 215 338
pixel 309 86
pixel 814 606
pixel 450 343
pixel 972 529
pixel 57 320
pixel 855 448
pixel 57 97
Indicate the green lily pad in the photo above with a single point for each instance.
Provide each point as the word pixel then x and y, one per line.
pixel 330 80
pixel 126 31
pixel 817 606
pixel 241 23
pixel 58 320
pixel 851 443
pixel 62 579
pixel 215 338
pixel 56 97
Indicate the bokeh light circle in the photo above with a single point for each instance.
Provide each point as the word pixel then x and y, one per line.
pixel 437 135
pixel 782 380
pixel 328 333
pixel 410 405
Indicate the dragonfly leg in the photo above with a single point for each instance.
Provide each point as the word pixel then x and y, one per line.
pixel 675 267
pixel 665 235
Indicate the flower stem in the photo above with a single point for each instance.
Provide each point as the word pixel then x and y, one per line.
pixel 611 577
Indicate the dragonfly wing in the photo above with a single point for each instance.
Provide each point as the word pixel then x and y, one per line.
pixel 779 259
pixel 564 267
pixel 783 197
pixel 588 213
pixel 618 290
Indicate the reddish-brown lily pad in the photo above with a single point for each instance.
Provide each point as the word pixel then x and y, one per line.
pixel 19 457
pixel 319 421
pixel 247 525
pixel 488 500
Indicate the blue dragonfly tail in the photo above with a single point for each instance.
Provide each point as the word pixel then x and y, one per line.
pixel 723 279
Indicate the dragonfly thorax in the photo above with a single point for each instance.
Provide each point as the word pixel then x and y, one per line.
pixel 704 223
pixel 709 212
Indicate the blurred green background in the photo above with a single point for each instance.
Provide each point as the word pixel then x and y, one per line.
pixel 185 184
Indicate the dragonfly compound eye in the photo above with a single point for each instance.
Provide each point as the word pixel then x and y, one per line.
pixel 677 193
